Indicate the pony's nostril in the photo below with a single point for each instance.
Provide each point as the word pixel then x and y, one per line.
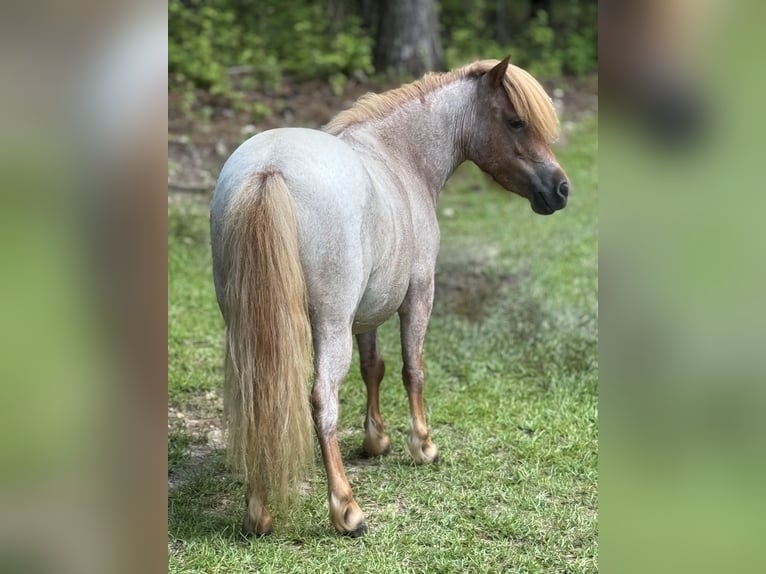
pixel 563 189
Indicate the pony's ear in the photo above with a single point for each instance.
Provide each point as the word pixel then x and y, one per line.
pixel 497 73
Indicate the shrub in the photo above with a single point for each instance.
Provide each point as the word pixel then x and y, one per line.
pixel 267 39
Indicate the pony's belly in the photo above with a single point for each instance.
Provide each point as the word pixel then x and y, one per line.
pixel 376 308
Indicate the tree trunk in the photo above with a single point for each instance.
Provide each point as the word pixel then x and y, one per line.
pixel 544 5
pixel 408 38
pixel 501 22
pixel 366 12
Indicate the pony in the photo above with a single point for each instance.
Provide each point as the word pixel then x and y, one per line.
pixel 318 237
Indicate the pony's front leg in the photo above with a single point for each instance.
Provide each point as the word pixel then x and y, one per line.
pixel 414 315
pixel 333 358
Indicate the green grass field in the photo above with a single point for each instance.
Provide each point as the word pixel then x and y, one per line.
pixel 511 397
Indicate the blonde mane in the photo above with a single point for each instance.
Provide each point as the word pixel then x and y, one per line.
pixel 526 94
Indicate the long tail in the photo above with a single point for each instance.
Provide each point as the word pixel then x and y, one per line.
pixel 268 339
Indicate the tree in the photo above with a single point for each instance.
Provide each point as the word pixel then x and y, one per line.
pixel 544 5
pixel 408 38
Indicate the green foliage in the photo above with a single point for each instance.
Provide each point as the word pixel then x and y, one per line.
pixel 265 40
pixel 580 55
pixel 581 49
pixel 202 40
pixel 314 50
pixel 548 45
pixel 538 51
pixel 269 39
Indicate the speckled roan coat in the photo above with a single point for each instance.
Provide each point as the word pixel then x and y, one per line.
pixel 353 207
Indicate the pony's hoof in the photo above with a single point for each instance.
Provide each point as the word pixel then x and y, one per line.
pixel 348 519
pixel 379 445
pixel 423 452
pixel 360 530
pixel 259 526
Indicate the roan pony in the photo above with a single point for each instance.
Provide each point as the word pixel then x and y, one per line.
pixel 320 236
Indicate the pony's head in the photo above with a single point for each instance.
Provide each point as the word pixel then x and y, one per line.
pixel 514 124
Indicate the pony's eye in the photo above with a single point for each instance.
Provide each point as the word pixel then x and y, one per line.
pixel 517 124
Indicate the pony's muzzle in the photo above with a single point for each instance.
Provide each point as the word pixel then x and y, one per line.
pixel 551 196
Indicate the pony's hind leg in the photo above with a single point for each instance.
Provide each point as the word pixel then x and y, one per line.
pixel 333 350
pixel 257 517
pixel 414 315
pixel 376 441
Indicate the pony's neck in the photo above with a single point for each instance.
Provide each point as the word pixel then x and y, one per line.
pixel 427 136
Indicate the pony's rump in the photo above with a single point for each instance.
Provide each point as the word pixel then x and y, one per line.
pixel 268 338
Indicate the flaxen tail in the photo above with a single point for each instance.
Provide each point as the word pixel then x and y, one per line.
pixel 268 339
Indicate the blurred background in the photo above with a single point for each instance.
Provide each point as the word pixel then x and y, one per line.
pixel 682 326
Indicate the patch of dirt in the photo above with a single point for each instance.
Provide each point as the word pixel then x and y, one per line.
pixel 465 284
pixel 200 419
pixel 467 292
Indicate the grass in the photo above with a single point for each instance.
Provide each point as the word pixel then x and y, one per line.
pixel 511 396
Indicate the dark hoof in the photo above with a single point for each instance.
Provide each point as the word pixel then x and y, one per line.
pixel 437 459
pixel 358 531
pixel 366 455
